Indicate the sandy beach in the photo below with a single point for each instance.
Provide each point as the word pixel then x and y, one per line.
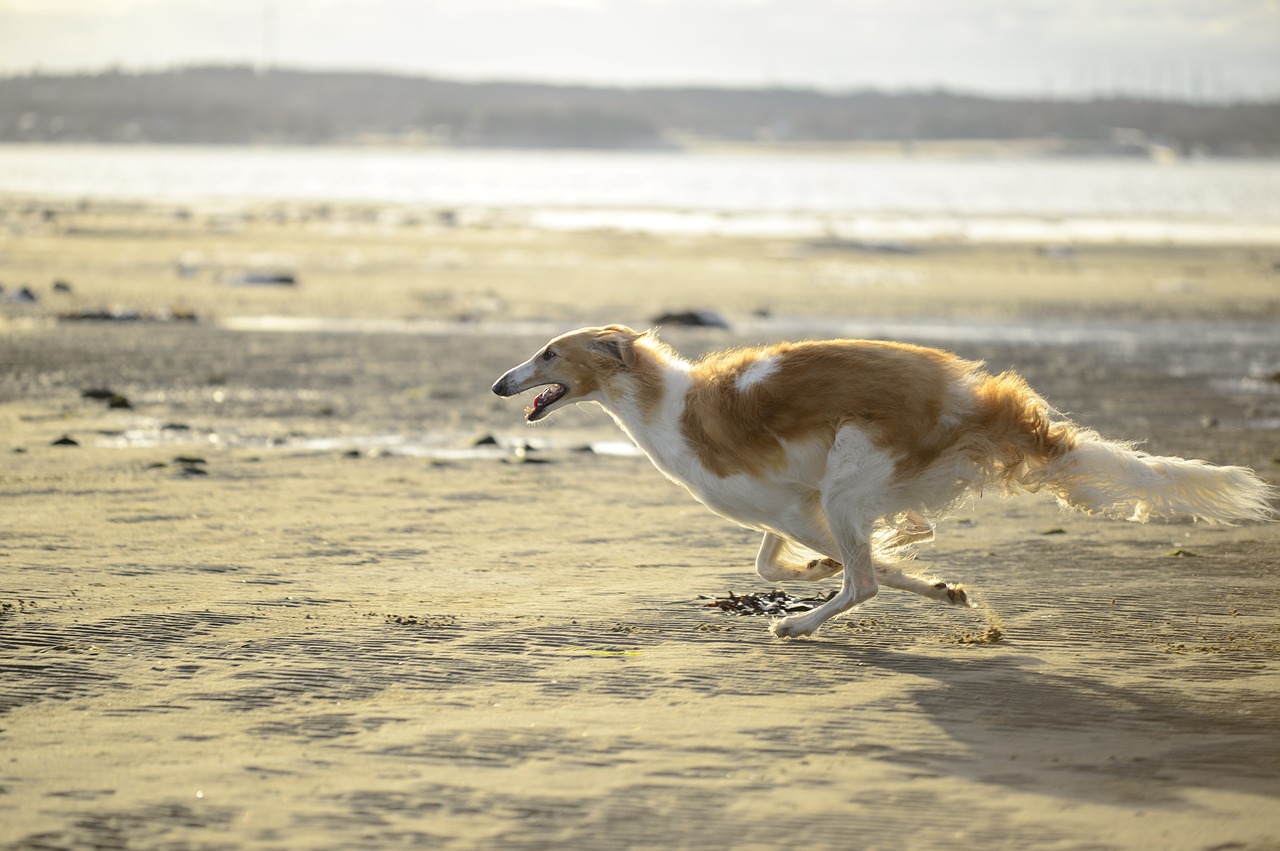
pixel 298 580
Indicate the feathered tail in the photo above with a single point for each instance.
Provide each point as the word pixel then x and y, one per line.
pixel 1107 477
pixel 1030 447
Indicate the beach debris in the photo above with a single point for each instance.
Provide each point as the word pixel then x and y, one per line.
pixel 61 286
pixel 691 319
pixel 22 294
pixel 485 439
pixel 838 244
pixel 262 279
pixel 1179 552
pixel 115 314
pixel 111 397
pixel 432 621
pixel 776 602
pixel 191 465
pixel 66 440
pixel 177 313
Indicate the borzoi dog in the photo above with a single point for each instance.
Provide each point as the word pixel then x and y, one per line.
pixel 844 453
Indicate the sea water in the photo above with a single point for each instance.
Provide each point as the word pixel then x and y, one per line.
pixel 1195 201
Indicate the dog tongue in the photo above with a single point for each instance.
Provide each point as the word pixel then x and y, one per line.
pixel 546 397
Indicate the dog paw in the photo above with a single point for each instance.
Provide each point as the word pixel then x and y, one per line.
pixel 953 593
pixel 793 627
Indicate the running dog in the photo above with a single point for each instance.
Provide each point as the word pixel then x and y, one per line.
pixel 844 453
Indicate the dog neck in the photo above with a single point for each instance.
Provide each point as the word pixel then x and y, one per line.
pixel 647 401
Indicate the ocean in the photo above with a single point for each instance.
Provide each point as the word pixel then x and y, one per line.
pixel 1196 201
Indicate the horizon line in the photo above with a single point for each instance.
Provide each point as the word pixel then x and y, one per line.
pixel 1100 94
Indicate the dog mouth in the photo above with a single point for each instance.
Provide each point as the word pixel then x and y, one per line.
pixel 543 401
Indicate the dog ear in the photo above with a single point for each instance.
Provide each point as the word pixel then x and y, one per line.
pixel 618 343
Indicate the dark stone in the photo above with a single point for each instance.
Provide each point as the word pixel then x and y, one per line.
pixel 692 319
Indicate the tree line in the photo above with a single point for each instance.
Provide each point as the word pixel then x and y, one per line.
pixel 241 105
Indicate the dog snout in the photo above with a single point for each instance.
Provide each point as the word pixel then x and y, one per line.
pixel 509 384
pixel 515 380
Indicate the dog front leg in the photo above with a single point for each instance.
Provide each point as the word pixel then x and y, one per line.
pixel 852 489
pixel 858 585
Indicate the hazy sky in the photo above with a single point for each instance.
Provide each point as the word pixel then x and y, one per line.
pixel 1181 47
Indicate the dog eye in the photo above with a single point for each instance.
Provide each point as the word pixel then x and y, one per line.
pixel 548 355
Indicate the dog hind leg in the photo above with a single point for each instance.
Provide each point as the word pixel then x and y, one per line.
pixel 773 566
pixel 926 586
pixel 905 530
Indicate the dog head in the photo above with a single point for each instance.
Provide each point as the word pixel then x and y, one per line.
pixel 581 366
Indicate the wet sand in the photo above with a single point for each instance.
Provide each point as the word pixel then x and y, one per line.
pixel 283 600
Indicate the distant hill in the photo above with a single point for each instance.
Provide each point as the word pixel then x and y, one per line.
pixel 237 105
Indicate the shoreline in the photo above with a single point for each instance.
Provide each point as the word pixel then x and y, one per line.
pixel 848 231
pixel 889 201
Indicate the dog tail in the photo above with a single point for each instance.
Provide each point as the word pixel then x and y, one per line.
pixel 1082 469
pixel 1112 478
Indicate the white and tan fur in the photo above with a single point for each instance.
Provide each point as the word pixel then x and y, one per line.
pixel 844 453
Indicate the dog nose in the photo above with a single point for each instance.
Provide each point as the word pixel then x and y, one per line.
pixel 500 387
